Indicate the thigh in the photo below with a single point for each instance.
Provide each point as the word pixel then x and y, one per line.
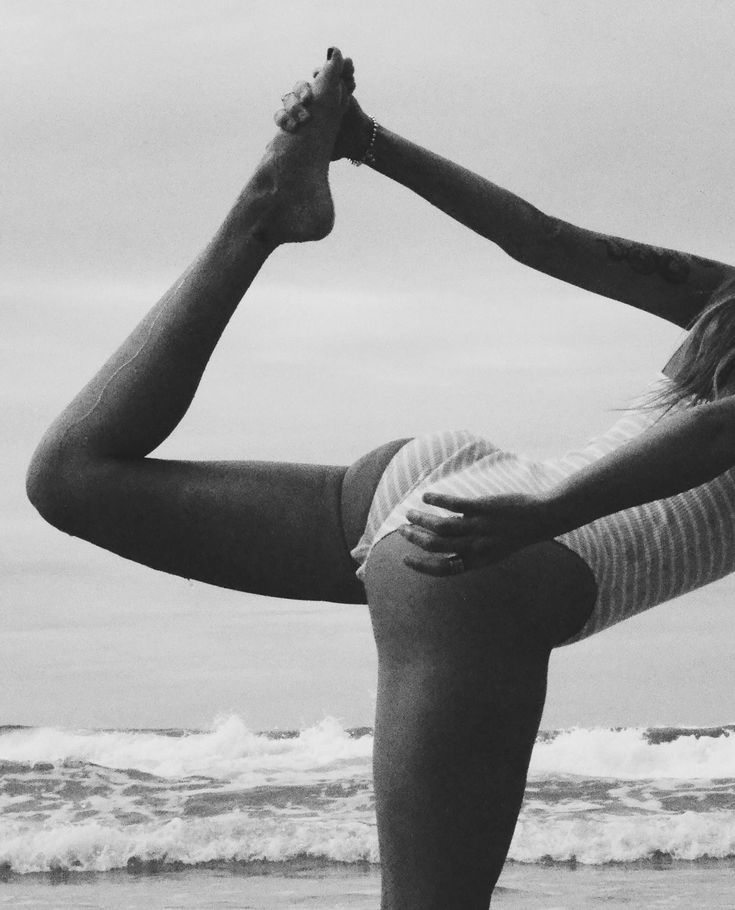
pixel 536 598
pixel 263 527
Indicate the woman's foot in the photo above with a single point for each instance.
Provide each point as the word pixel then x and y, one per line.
pixel 355 130
pixel 296 165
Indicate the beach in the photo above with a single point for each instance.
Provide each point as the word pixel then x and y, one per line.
pixel 522 887
pixel 172 744
pixel 230 817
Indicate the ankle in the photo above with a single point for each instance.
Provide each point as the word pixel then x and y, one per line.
pixel 252 216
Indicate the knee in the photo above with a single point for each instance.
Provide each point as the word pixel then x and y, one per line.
pixel 50 484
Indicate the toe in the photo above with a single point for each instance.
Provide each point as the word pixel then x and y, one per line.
pixel 330 73
pixel 348 75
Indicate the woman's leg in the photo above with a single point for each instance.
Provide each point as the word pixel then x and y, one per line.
pixel 462 665
pixel 267 528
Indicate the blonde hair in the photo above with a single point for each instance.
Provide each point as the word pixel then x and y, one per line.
pixel 704 366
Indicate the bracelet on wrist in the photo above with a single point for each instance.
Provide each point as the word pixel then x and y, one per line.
pixel 368 156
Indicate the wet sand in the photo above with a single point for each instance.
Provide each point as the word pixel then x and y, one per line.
pixel 679 885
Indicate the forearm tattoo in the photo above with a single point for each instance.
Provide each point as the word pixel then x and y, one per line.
pixel 646 260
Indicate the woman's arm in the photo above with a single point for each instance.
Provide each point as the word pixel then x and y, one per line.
pixel 670 284
pixel 674 455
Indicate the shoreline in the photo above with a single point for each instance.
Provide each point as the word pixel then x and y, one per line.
pixel 319 867
pixel 330 886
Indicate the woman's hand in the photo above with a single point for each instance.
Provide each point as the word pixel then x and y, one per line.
pixel 485 531
pixel 356 129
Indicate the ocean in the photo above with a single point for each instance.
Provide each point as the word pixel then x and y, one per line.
pixel 232 817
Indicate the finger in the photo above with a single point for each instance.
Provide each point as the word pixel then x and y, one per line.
pixel 453 503
pixel 284 121
pixel 295 110
pixel 294 104
pixel 438 524
pixel 438 566
pixel 288 100
pixel 432 543
pixel 302 92
pixel 468 554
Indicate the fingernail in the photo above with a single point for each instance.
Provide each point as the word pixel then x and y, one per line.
pixel 303 115
pixel 330 51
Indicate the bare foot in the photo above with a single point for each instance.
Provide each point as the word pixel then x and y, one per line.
pixel 298 163
pixel 356 129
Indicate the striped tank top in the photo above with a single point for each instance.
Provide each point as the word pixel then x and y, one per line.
pixel 639 557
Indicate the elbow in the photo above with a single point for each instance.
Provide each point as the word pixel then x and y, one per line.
pixel 530 243
pixel 713 442
pixel 717 423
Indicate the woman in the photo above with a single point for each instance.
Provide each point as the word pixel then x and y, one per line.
pixel 468 592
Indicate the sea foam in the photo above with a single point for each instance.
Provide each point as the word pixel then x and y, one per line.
pixel 98 800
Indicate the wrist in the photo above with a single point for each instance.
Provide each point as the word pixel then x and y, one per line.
pixel 363 129
pixel 556 512
pixel 368 135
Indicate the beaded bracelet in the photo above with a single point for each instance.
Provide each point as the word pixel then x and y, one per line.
pixel 369 154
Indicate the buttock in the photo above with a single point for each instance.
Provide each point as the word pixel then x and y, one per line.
pixel 539 596
pixel 638 558
pixel 439 461
pixel 459 462
pixel 635 559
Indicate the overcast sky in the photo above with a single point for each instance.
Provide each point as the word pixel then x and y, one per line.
pixel 128 128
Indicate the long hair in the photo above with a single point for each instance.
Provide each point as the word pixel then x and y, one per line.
pixel 704 366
